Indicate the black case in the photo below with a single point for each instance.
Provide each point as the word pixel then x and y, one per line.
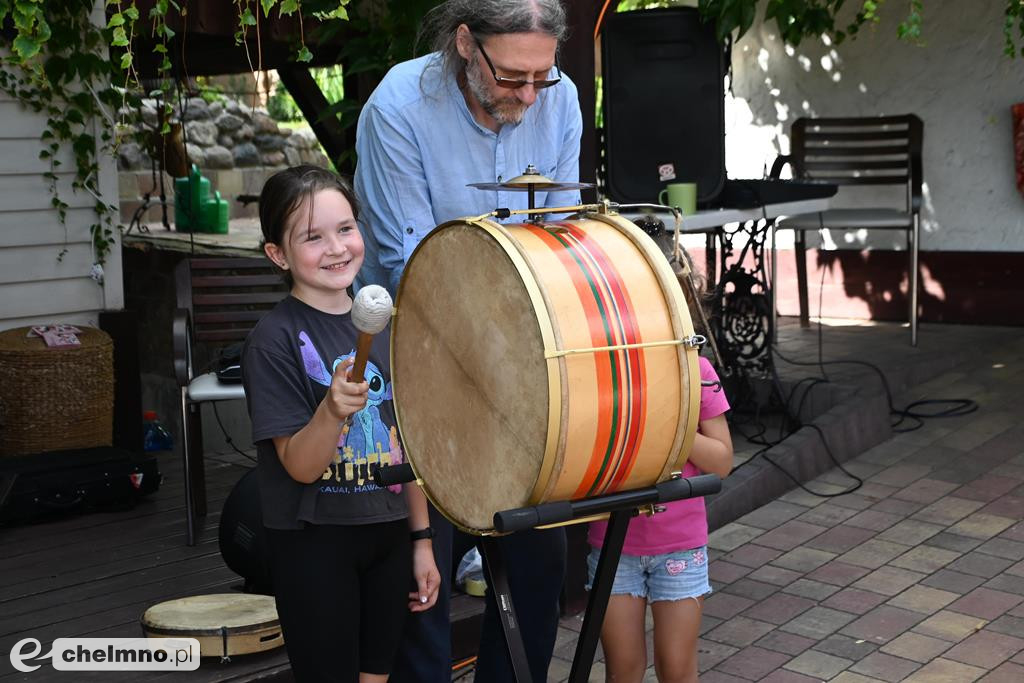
pixel 61 482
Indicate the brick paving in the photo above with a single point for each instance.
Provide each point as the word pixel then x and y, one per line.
pixel 917 576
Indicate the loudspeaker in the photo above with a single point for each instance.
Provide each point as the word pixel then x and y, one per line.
pixel 664 104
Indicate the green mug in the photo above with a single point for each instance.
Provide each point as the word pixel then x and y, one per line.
pixel 681 195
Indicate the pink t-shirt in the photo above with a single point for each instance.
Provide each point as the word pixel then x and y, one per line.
pixel 684 524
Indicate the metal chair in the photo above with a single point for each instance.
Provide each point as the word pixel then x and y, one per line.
pixel 219 301
pixel 870 151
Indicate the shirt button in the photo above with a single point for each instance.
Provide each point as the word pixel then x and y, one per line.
pixel 408 231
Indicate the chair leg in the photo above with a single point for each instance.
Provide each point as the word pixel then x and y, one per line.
pixel 192 465
pixel 198 466
pixel 710 255
pixel 190 508
pixel 913 239
pixel 772 288
pixel 800 248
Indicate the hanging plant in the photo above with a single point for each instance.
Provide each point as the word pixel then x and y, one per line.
pixel 62 65
pixel 57 66
pixel 799 19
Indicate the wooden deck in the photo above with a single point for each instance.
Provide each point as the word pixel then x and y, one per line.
pixel 93 575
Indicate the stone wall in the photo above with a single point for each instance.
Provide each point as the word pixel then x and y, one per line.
pixel 235 146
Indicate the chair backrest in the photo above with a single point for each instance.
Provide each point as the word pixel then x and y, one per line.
pixel 225 297
pixel 877 150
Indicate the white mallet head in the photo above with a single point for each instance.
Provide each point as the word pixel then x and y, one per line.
pixel 371 309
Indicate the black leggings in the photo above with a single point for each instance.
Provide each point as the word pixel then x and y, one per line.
pixel 342 597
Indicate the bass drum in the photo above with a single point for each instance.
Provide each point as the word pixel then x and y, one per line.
pixel 506 390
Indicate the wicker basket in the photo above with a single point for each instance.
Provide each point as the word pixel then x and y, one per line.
pixel 55 398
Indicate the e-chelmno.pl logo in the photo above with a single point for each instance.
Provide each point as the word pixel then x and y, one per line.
pixel 108 654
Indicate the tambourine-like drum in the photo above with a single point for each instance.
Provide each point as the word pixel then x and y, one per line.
pixel 535 363
pixel 225 624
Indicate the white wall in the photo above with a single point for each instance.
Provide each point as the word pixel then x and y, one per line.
pixel 36 287
pixel 959 83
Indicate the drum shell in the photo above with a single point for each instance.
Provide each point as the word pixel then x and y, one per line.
pixel 493 414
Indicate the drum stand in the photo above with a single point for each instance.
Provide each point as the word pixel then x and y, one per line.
pixel 622 506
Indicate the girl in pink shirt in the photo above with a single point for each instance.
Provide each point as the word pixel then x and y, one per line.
pixel 665 563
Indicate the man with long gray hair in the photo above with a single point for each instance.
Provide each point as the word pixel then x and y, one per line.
pixel 489 100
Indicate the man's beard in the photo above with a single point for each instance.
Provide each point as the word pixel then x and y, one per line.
pixel 504 109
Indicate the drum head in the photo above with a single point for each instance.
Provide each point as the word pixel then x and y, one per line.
pixel 469 376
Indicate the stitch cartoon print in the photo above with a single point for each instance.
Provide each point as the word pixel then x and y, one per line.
pixel 367 442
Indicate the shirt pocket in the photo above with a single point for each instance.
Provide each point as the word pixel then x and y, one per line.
pixel 411 237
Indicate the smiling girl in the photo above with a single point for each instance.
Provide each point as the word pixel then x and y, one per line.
pixel 341 550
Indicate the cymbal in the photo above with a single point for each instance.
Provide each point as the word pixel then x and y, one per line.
pixel 531 181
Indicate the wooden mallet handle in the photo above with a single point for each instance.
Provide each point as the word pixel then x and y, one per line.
pixel 363 345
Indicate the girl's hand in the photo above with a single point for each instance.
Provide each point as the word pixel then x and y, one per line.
pixel 345 398
pixel 428 579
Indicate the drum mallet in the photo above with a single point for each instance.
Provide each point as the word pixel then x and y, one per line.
pixel 371 311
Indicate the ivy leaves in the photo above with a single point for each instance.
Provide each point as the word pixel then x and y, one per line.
pixel 58 67
pixel 799 19
pixel 30 23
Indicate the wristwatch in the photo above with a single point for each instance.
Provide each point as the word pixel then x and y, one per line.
pixel 421 534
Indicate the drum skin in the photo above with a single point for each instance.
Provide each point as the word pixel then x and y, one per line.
pixel 493 414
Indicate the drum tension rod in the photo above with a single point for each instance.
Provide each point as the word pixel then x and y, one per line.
pixel 224 658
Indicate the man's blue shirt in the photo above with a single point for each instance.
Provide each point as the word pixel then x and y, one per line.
pixel 419 146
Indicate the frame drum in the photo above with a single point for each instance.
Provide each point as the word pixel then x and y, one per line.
pixel 506 392
pixel 225 624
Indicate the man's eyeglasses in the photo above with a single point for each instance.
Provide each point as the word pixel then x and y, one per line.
pixel 516 83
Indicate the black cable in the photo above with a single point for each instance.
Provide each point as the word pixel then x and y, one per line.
pixel 227 437
pixel 957 406
pixel 791 420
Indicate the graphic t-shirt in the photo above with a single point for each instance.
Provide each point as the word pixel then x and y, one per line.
pixel 684 523
pixel 287 363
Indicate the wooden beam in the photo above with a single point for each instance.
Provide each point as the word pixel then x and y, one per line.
pixel 311 101
pixel 577 59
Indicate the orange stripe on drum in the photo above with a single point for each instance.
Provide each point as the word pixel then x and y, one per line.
pixel 636 413
pixel 605 364
pixel 610 318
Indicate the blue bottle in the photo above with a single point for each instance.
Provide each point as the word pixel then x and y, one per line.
pixel 155 436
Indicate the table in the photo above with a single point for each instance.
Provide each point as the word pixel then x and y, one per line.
pixel 242 239
pixel 743 315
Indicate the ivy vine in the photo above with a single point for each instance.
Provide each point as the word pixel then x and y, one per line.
pixel 61 64
pixel 57 66
pixel 799 19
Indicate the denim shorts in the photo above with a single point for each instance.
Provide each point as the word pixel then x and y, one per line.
pixel 671 576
